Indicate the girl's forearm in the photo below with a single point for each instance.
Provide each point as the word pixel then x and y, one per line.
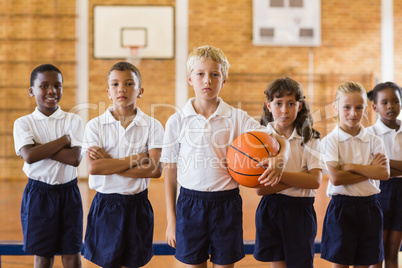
pixel 375 172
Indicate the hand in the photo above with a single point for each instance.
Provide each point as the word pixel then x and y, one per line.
pixel 171 235
pixel 96 152
pixel 273 174
pixel 379 160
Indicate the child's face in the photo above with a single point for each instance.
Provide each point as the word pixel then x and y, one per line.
pixel 350 108
pixel 206 79
pixel 284 110
pixel 388 104
pixel 47 90
pixel 122 89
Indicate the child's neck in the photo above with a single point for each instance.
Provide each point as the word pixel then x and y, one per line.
pixel 284 131
pixel 205 107
pixel 124 115
pixel 353 131
pixel 392 124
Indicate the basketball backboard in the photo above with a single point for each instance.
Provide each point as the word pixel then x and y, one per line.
pixel 287 22
pixel 117 29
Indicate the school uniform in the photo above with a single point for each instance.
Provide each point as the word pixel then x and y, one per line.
pixel 352 231
pixel 209 207
pixel 390 196
pixel 120 221
pixel 286 223
pixel 51 201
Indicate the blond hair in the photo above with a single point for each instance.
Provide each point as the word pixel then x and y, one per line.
pixel 208 52
pixel 351 87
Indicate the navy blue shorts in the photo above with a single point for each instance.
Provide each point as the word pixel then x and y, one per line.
pixel 209 221
pixel 352 231
pixel 120 230
pixel 51 218
pixel 390 200
pixel 285 230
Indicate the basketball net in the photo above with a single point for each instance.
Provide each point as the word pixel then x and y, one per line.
pixel 135 55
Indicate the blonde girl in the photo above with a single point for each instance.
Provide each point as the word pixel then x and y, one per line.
pixel 356 162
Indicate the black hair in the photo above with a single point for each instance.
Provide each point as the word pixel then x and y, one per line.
pixel 373 94
pixel 304 121
pixel 41 69
pixel 124 65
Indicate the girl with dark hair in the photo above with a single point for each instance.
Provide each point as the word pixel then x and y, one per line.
pixel 386 98
pixel 280 238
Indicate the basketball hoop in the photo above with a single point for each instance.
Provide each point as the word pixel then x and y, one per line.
pixel 135 55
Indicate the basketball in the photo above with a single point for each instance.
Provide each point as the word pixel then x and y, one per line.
pixel 245 152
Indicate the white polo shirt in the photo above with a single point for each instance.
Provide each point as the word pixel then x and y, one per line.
pixel 301 158
pixel 199 145
pixel 143 134
pixel 339 146
pixel 391 138
pixel 39 128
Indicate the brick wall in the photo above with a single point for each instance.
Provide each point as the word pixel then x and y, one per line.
pixel 36 32
pixel 31 33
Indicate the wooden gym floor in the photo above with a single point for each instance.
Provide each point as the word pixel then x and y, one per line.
pixel 10 228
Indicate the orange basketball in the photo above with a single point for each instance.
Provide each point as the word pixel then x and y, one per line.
pixel 245 152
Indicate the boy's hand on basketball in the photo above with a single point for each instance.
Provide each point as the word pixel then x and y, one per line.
pixel 273 173
pixel 98 153
pixel 379 160
pixel 171 235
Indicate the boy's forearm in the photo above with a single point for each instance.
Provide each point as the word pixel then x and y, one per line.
pixel 148 166
pixel 171 191
pixel 284 147
pixel 35 153
pixel 69 156
pixel 110 166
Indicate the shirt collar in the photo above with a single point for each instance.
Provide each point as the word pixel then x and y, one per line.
pixel 108 118
pixel 294 135
pixel 382 128
pixel 222 110
pixel 343 136
pixel 38 115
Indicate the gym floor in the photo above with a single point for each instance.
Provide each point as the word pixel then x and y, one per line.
pixel 10 228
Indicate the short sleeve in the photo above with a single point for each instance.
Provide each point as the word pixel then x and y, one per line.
pixel 329 149
pixel 171 144
pixel 156 135
pixel 91 135
pixel 314 156
pixel 77 131
pixel 378 146
pixel 22 135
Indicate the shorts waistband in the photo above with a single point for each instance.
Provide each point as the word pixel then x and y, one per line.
pixel 124 198
pixel 354 199
pixel 218 195
pixel 54 187
pixel 291 199
pixel 395 179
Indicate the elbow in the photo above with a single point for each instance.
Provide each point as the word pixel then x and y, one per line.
pixel 92 170
pixel 76 162
pixel 259 191
pixel 335 181
pixel 157 172
pixel 385 176
pixel 29 160
pixel 316 184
